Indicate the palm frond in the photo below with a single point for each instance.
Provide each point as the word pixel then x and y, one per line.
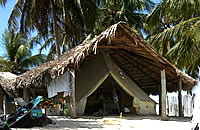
pixel 15 14
pixel 18 57
pixel 3 3
pixel 46 44
pixel 52 53
pixel 176 31
pixel 5 65
pixel 33 61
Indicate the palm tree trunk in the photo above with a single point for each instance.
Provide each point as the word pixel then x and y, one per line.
pixel 55 29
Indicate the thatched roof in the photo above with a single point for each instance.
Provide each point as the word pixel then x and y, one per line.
pixel 128 50
pixel 7 80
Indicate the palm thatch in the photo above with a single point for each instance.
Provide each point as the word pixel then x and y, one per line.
pixel 7 81
pixel 127 49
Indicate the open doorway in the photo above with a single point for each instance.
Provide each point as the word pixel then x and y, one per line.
pixel 109 99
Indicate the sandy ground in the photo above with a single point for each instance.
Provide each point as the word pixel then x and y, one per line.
pixel 114 123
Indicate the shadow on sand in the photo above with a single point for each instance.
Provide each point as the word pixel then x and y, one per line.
pixel 136 117
pixel 69 124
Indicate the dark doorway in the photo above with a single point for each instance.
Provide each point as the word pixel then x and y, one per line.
pixel 108 99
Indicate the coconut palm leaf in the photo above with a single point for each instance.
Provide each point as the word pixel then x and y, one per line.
pixel 174 31
pixel 58 17
pixel 51 55
pixel 113 11
pixel 185 28
pixel 3 2
pixel 17 56
pixel 33 61
pixel 48 42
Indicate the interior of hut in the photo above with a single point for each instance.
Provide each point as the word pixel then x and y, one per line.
pixel 109 99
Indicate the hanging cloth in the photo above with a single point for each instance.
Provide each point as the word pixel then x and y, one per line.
pixel 60 84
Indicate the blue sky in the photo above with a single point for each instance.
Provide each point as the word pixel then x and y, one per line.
pixel 5 13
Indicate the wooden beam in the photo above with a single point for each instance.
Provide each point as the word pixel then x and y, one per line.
pixel 146 60
pixel 25 94
pixel 180 85
pixel 149 86
pixel 116 47
pixel 169 71
pixel 32 91
pixel 137 50
pixel 143 58
pixel 139 62
pixel 163 95
pixel 117 42
pixel 152 54
pixel 173 80
pixel 146 49
pixel 38 89
pixel 139 65
pixel 72 93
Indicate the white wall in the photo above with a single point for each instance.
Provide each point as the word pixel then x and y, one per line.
pixel 143 107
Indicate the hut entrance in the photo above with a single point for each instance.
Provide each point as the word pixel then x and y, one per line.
pixel 104 100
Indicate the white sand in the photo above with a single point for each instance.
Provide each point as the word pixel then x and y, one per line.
pixel 114 123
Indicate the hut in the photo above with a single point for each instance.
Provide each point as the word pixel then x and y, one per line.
pixel 116 61
pixel 7 80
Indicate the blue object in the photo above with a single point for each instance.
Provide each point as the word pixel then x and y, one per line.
pixel 36 101
pixel 36 112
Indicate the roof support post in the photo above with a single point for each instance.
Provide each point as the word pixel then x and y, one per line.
pixel 72 93
pixel 163 95
pixel 180 98
pixel 25 94
pixel 4 105
pixel 32 92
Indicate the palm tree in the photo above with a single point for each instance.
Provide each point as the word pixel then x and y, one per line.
pixel 61 18
pixel 68 22
pixel 174 28
pixel 122 11
pixel 130 11
pixel 17 56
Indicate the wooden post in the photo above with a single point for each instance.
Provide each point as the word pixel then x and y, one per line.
pixel 4 105
pixel 32 92
pixel 25 94
pixel 163 95
pixel 72 93
pixel 180 98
